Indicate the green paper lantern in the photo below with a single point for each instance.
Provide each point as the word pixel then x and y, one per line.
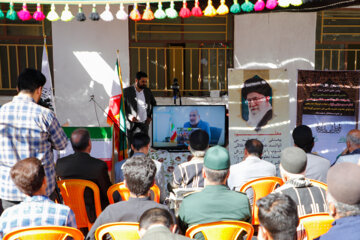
pixel 247 6
pixel 11 14
pixel 2 16
pixel 235 8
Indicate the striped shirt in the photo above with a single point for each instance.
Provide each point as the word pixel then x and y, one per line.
pixel 27 130
pixel 189 174
pixel 36 211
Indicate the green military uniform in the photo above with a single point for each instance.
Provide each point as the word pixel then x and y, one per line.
pixel 214 203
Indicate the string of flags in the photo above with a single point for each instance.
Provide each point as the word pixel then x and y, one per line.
pixel 148 15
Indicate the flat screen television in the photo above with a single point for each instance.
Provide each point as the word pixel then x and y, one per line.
pixel 172 125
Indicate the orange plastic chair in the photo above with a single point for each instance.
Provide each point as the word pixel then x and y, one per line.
pixel 44 232
pixel 72 191
pixel 316 224
pixel 261 187
pixel 224 230
pixel 125 193
pixel 319 184
pixel 119 230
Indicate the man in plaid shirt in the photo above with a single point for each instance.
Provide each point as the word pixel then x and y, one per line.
pixel 37 209
pixel 27 130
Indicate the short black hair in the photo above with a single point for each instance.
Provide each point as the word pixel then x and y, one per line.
pixel 155 216
pixel 139 173
pixel 28 175
pixel 278 215
pixel 80 139
pixel 140 140
pixel 303 138
pixel 29 80
pixel 254 146
pixel 199 140
pixel 140 75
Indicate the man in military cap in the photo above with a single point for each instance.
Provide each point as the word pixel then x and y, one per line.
pixel 216 202
pixel 343 197
pixel 257 93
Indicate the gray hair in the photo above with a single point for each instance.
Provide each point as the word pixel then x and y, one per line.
pixel 343 209
pixel 353 138
pixel 216 176
pixel 197 153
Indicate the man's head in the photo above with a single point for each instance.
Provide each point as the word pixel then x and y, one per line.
pixel 257 93
pixel 353 140
pixel 31 81
pixel 216 165
pixel 140 142
pixel 155 216
pixel 303 138
pixel 80 140
pixel 293 162
pixel 253 147
pixel 343 194
pixel 139 173
pixel 199 142
pixel 141 80
pixel 277 216
pixel 29 176
pixel 194 117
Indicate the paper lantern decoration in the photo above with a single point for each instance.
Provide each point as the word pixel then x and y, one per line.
pixel 259 5
pixel 94 15
pixel 52 15
pixel 148 15
pixel 222 9
pixel 2 16
pixel 196 10
pixel 135 14
pixel 66 15
pixel 171 12
pixel 160 13
pixel 184 11
pixel 247 6
pixel 235 8
pixel 38 15
pixel 271 4
pixel 24 14
pixel 284 3
pixel 107 15
pixel 296 3
pixel 210 11
pixel 80 16
pixel 11 14
pixel 121 14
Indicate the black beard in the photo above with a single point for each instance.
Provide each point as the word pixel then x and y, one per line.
pixel 141 86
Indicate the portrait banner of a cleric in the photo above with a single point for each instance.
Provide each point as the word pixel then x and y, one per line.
pixel 256 107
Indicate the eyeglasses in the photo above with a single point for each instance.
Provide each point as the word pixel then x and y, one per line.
pixel 255 99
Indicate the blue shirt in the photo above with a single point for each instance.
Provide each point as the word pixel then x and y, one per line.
pixel 27 130
pixel 202 125
pixel 352 157
pixel 36 211
pixel 344 228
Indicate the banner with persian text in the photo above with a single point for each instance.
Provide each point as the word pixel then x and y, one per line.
pixel 258 108
pixel 328 102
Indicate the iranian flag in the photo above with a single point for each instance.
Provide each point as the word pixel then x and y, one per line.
pixel 116 114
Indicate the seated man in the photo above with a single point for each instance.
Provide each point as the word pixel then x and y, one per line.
pixel 352 151
pixel 189 174
pixel 139 173
pixel 141 145
pixel 216 202
pixel 278 217
pixel 157 223
pixel 343 197
pixel 37 209
pixel 196 122
pixel 80 165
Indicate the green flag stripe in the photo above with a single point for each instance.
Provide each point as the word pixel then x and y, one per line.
pixel 95 132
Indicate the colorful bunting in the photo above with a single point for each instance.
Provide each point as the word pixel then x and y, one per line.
pixel 222 9
pixel 184 11
pixel 38 15
pixel 2 16
pixel 235 8
pixel 52 15
pixel 271 4
pixel 121 14
pixel 171 12
pixel 210 11
pixel 94 15
pixel 296 3
pixel 66 15
pixel 135 14
pixel 107 15
pixel 160 13
pixel 80 16
pixel 148 15
pixel 11 14
pixel 24 14
pixel 259 5
pixel 284 3
pixel 196 10
pixel 247 6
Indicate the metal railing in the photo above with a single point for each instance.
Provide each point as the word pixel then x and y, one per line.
pixel 337 59
pixel 197 69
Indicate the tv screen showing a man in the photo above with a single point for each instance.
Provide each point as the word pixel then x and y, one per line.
pixel 257 102
pixel 196 122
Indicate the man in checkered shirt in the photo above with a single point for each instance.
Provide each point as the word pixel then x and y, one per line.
pixel 37 209
pixel 27 130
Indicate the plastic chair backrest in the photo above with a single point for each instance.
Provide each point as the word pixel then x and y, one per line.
pixel 319 184
pixel 72 191
pixel 118 230
pixel 316 224
pixel 224 230
pixel 44 232
pixel 125 193
pixel 261 187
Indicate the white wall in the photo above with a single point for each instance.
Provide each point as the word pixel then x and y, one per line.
pixel 84 58
pixel 276 40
